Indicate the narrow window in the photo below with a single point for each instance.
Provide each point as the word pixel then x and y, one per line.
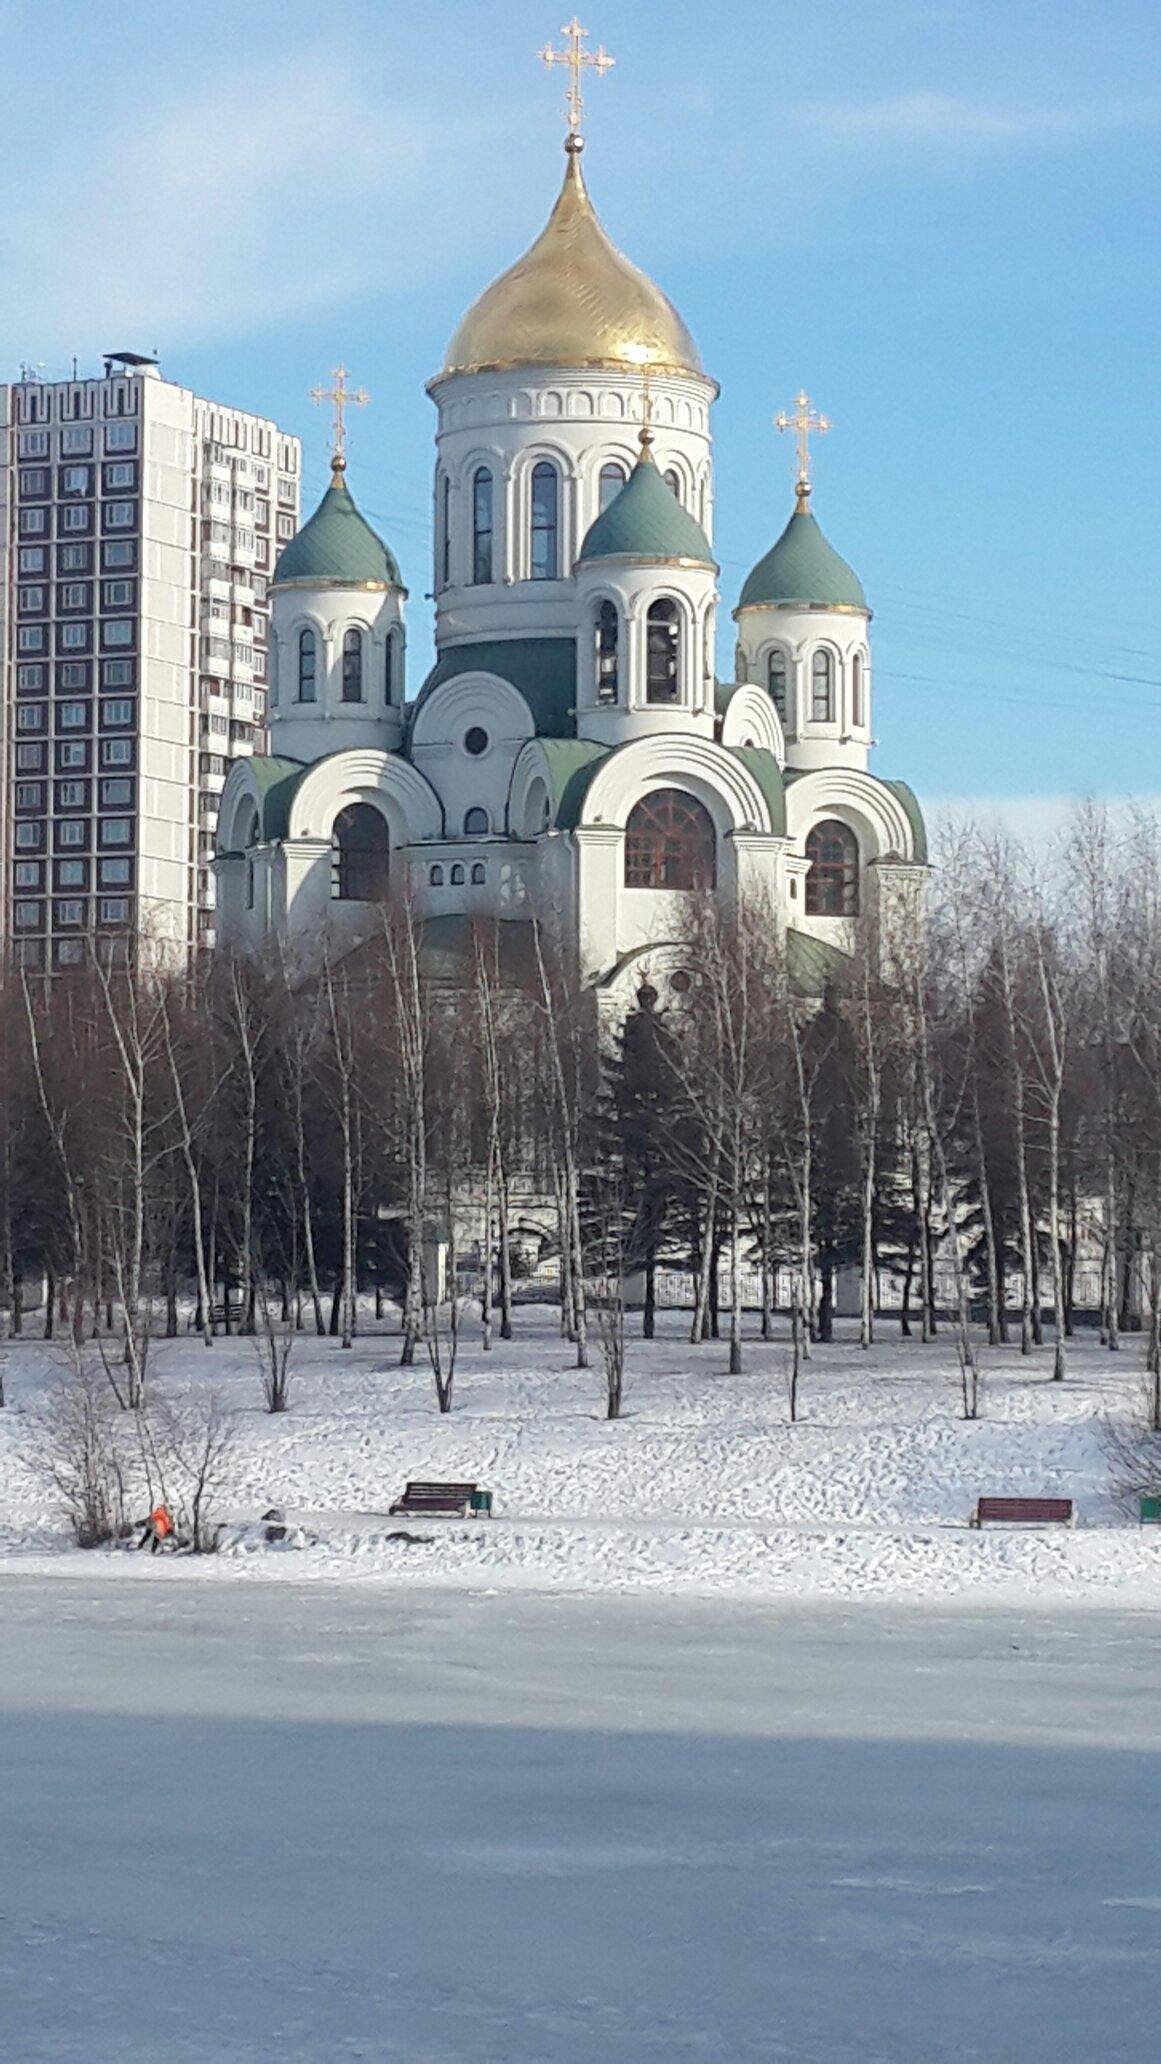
pixel 822 686
pixel 613 477
pixel 857 690
pixel 482 527
pixel 457 876
pixel 608 628
pixel 663 652
pixel 479 874
pixel 832 886
pixel 545 521
pixel 435 878
pixel 359 855
pixel 445 532
pixel 476 824
pixel 353 666
pixel 673 482
pixel 307 665
pixel 389 670
pixel 776 681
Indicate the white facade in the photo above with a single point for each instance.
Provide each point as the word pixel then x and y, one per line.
pixel 139 525
pixel 571 756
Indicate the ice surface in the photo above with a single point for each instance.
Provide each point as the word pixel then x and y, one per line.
pixel 295 1823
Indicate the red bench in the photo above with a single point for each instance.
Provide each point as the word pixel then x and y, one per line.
pixel 1024 1512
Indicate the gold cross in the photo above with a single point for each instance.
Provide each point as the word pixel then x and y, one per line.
pixel 803 422
pixel 578 60
pixel 342 397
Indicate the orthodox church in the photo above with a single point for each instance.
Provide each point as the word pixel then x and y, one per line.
pixel 571 756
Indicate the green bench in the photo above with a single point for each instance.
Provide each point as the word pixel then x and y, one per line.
pixel 1151 1508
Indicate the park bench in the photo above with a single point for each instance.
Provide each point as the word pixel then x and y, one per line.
pixel 1024 1512
pixel 456 1498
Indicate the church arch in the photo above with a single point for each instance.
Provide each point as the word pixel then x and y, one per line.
pixel 670 842
pixel 353 664
pixel 607 641
pixel 544 519
pixel 664 681
pixel 483 526
pixel 308 642
pixel 359 854
pixel 824 684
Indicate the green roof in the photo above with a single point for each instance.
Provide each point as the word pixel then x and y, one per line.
pixel 572 763
pixel 646 521
pixel 803 568
pixel 543 670
pixel 812 963
pixel 910 803
pixel 447 947
pixel 338 544
pixel 768 774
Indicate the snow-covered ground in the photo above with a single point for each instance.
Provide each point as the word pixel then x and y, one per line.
pixel 303 1824
pixel 703 1487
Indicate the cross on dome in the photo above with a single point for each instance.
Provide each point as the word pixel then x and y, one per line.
pixel 341 397
pixel 805 421
pixel 578 60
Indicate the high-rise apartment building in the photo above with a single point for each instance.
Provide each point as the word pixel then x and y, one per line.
pixel 139 525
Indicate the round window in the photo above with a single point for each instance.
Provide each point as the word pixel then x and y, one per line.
pixel 476 741
pixel 680 982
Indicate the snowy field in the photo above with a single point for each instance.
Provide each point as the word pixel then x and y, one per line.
pixel 702 1488
pixel 307 1824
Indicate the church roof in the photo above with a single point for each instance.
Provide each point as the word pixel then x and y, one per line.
pixel 572 764
pixel 802 567
pixel 811 963
pixel 543 670
pixel 646 521
pixel 338 544
pixel 573 299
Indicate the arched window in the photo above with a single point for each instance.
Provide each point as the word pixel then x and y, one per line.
pixel 545 522
pixel 479 874
pixel 778 681
pixel 352 666
pixel 435 878
pixel 673 481
pixel 857 717
pixel 457 876
pixel 613 478
pixel 476 823
pixel 482 526
pixel 607 631
pixel 832 886
pixel 663 652
pixel 444 531
pixel 307 666
pixel 272 663
pixel 389 670
pixel 249 885
pixel 669 843
pixel 359 855
pixel 822 686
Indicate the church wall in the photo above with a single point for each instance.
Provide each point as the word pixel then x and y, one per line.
pixel 310 730
pixel 799 633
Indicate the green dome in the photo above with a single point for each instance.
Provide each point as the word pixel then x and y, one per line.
pixel 646 521
pixel 802 567
pixel 338 544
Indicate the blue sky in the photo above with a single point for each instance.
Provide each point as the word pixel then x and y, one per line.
pixel 940 218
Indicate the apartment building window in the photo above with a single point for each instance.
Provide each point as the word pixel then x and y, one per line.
pixel 118 553
pixel 76 516
pixel 118 594
pixel 32 601
pixel 120 475
pixel 71 874
pixel 67 952
pixel 120 437
pixel 72 716
pixel 72 795
pixel 76 595
pixel 28 837
pixel 34 480
pixel 30 679
pixel 286 526
pixel 116 713
pixel 72 755
pixel 34 444
pixel 30 717
pixel 73 637
pixel 119 631
pixel 73 832
pixel 116 831
pixel 30 795
pixel 34 559
pixel 74 558
pixel 27 916
pixel 114 909
pixel 116 673
pixel 31 638
pixel 30 759
pixel 33 522
pixel 76 480
pixel 73 673
pixel 120 515
pixel 70 911
pixel 114 874
pixel 28 874
pixel 286 492
pixel 117 794
pixel 116 752
pixel 76 442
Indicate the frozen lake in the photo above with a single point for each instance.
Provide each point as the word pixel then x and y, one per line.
pixel 272 1824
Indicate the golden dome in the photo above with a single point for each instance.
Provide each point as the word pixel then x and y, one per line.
pixel 572 300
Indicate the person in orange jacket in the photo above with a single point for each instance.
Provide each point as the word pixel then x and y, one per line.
pixel 158 1528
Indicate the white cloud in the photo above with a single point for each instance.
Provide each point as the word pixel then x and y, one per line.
pixel 228 207
pixel 948 121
